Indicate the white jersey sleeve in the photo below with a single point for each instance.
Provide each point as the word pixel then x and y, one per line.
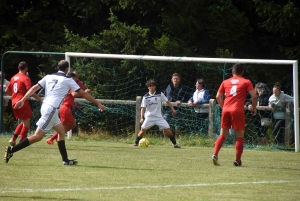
pixel 163 97
pixel 143 103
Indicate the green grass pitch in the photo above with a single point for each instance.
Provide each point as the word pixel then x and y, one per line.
pixel 113 170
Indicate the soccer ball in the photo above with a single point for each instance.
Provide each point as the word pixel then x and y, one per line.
pixel 143 142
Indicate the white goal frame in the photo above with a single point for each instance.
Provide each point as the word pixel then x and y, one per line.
pixel 68 55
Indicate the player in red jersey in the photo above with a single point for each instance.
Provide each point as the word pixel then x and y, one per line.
pixel 235 90
pixel 18 86
pixel 65 113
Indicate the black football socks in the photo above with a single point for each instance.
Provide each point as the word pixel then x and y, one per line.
pixel 62 149
pixel 137 140
pixel 24 143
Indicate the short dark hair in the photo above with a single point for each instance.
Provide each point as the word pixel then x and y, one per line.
pixel 201 81
pixel 150 83
pixel 63 65
pixel 238 69
pixel 176 74
pixel 263 87
pixel 277 85
pixel 22 65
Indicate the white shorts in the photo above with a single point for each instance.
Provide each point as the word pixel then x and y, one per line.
pixel 159 121
pixel 49 118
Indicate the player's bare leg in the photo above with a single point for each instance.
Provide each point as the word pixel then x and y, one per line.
pixel 53 137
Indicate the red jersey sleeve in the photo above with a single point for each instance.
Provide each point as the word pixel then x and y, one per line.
pixel 80 84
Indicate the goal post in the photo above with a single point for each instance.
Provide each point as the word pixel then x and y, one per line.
pixel 294 63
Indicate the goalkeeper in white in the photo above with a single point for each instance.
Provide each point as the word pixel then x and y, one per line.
pixel 151 110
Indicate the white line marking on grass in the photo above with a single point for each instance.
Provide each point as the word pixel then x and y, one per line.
pixel 16 190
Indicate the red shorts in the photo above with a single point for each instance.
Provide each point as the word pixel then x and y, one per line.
pixel 65 114
pixel 233 119
pixel 24 112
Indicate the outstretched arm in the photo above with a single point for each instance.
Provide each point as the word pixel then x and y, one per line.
pixel 88 97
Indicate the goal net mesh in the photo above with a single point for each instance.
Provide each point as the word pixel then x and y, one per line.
pixel 124 80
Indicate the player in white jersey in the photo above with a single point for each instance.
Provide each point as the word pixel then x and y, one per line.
pixel 57 87
pixel 151 110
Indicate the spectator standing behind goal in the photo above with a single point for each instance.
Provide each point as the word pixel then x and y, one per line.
pixel 5 101
pixel 235 90
pixel 57 87
pixel 175 92
pixel 201 96
pixel 278 102
pixel 17 88
pixel 263 95
pixel 151 110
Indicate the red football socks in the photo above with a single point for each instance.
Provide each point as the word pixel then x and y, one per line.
pixel 239 147
pixel 23 133
pixel 219 144
pixel 17 131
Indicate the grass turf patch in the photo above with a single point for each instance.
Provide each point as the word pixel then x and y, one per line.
pixel 113 170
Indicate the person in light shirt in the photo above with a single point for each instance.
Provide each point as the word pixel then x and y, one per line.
pixel 65 113
pixel 278 102
pixel 201 96
pixel 151 113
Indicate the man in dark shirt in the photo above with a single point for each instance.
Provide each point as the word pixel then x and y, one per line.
pixel 175 92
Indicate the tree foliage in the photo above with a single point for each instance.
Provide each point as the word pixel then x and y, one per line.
pixel 207 28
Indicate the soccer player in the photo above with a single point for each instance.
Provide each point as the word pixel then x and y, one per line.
pixel 18 86
pixel 77 107
pixel 57 87
pixel 235 90
pixel 79 82
pixel 65 113
pixel 151 110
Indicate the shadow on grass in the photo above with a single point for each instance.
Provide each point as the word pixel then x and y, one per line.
pixel 22 197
